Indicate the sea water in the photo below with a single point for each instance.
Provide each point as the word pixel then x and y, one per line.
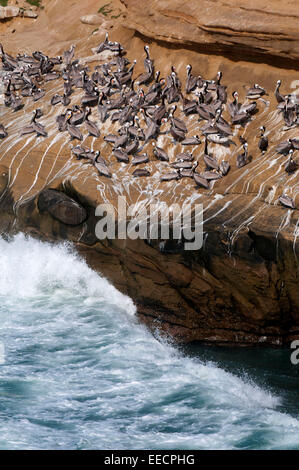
pixel 80 372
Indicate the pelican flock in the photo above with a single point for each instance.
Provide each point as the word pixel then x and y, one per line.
pixel 144 107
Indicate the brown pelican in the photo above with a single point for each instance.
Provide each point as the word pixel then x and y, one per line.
pixel 73 131
pixel 62 120
pixel 8 61
pixel 90 100
pixel 201 181
pixel 68 87
pixel 295 144
pixel 51 76
pixel 159 153
pixel 147 76
pixel 210 162
pixel 241 117
pixel 140 172
pixel 204 111
pixel 56 99
pixel 69 55
pixel 103 45
pixel 170 176
pixel 284 147
pixel 177 123
pixel 242 159
pixel 111 138
pixel 234 106
pixel 189 106
pixel 207 96
pixel 210 175
pixel 222 126
pixel 121 155
pixel 140 159
pixel 188 173
pixel 121 140
pixel 224 167
pixel 78 115
pixel 185 156
pixel 34 126
pixel 91 126
pixel 132 148
pixel 182 164
pixel 217 126
pixel 160 111
pixel 173 87
pixel 148 62
pixel 191 81
pixel 101 166
pixel 126 76
pixel 151 131
pixel 194 140
pixel 38 94
pixel 287 201
pixel 158 83
pixel 27 130
pixel 241 109
pixel 144 78
pixel 102 108
pixel 177 134
pixel 256 92
pixel 16 103
pixel 288 112
pixel 134 129
pixel 263 142
pixel 79 152
pixel 175 78
pixel 291 165
pixel 3 132
pixel 279 97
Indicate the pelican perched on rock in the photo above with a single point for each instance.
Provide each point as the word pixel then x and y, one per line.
pixel 263 142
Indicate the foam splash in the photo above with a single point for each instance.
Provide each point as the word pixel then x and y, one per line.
pixel 29 268
pixel 80 372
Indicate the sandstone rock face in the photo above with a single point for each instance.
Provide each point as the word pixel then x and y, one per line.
pixel 242 28
pixel 61 207
pixel 242 286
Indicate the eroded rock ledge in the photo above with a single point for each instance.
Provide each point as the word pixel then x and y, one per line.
pixel 242 29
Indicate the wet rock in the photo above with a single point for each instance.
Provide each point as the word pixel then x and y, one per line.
pixel 61 207
pixel 4 177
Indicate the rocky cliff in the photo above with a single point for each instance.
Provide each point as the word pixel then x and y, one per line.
pixel 242 286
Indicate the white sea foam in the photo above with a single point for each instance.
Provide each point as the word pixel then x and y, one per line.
pixel 81 372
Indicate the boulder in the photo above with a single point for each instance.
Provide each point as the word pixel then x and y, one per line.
pixel 91 19
pixel 61 207
pixel 29 14
pixel 8 12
